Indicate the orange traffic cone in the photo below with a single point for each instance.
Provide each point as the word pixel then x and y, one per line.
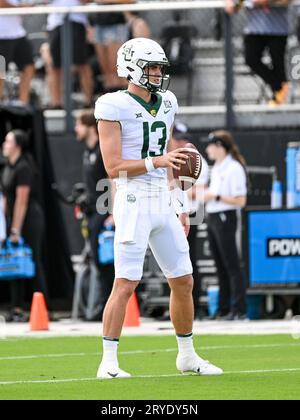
pixel 39 320
pixel 132 316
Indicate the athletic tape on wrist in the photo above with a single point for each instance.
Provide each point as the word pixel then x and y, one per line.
pixel 149 164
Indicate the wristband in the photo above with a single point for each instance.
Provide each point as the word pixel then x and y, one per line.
pixel 149 164
pixel 14 231
pixel 180 201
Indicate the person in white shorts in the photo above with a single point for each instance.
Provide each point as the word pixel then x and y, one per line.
pixel 134 128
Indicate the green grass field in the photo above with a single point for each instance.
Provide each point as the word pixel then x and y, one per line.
pixel 256 367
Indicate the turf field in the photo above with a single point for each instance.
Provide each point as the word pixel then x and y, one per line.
pixel 256 367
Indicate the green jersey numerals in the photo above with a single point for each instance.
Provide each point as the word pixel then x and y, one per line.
pixel 161 141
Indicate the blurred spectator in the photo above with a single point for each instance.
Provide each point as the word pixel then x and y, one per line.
pixel 177 37
pixel 25 218
pixel 50 75
pixel 111 31
pixel 180 138
pixel 79 53
pixel 138 27
pixel 226 194
pixel 16 48
pixel 93 172
pixel 267 28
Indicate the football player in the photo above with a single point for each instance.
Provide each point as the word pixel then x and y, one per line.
pixel 134 128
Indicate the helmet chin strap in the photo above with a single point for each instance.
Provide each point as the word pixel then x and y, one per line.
pixel 152 88
pixel 147 85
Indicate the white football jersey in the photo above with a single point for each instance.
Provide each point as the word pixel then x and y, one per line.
pixel 145 126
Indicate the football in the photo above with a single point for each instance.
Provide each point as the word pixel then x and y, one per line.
pixel 188 173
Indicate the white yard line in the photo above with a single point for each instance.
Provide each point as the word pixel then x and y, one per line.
pixel 225 373
pixel 47 356
pixel 135 352
pixel 80 329
pixel 55 381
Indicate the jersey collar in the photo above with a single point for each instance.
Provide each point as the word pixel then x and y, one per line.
pixel 151 108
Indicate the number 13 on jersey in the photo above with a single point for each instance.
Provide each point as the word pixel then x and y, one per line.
pixel 148 132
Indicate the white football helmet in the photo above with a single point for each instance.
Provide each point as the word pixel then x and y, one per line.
pixel 135 56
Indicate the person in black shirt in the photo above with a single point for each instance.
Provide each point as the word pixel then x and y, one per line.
pixel 93 172
pixel 24 213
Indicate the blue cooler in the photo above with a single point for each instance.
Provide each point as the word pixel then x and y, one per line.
pixel 106 246
pixel 213 300
pixel 16 261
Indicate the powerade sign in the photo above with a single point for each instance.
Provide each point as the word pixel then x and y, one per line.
pixel 274 247
pixel 283 247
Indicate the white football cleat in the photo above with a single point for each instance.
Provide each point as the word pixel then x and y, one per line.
pixel 106 371
pixel 194 363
